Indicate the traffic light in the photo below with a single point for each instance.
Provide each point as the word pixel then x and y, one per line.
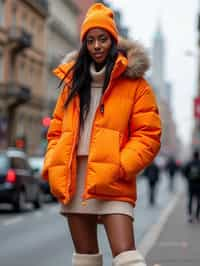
pixel 46 121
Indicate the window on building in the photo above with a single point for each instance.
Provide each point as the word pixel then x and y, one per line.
pixel 2 5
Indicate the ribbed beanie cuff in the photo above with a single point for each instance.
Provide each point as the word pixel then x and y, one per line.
pixel 87 259
pixel 129 258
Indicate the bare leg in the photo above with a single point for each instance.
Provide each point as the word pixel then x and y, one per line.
pixel 120 233
pixel 83 229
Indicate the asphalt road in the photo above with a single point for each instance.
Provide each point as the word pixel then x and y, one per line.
pixel 42 237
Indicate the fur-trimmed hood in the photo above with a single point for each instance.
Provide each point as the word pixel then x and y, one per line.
pixel 138 60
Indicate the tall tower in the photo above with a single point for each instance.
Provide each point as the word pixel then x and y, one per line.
pixel 158 63
pixel 163 88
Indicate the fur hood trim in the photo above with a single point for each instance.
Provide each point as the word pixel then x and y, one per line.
pixel 138 60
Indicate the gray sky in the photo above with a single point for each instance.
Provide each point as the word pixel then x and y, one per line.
pixel 178 19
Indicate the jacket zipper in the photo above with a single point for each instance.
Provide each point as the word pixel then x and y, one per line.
pixel 101 108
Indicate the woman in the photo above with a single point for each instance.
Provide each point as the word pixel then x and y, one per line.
pixel 105 129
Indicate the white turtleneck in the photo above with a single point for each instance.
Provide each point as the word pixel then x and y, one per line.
pixel 96 90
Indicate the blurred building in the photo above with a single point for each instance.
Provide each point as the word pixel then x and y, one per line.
pixel 62 38
pixel 171 144
pixel 162 87
pixel 170 141
pixel 158 62
pixel 22 70
pixel 34 37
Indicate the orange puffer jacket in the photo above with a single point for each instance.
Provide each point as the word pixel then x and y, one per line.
pixel 125 134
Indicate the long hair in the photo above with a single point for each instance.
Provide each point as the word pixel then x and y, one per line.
pixel 81 78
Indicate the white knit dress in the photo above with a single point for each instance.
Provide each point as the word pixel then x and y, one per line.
pixel 92 206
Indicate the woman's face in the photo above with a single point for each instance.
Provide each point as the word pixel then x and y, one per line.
pixel 98 44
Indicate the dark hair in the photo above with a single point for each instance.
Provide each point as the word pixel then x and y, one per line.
pixel 81 78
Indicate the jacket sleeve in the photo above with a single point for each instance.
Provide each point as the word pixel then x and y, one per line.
pixel 54 131
pixel 145 132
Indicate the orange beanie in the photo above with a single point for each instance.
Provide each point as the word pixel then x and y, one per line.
pixel 99 16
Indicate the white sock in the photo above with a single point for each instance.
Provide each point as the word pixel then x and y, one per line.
pixel 129 258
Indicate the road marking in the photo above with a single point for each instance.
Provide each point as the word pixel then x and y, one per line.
pixel 182 244
pixel 152 236
pixel 12 221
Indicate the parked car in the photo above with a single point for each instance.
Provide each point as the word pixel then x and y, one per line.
pixel 36 163
pixel 18 185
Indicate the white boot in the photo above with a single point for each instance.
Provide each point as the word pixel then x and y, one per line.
pixel 129 258
pixel 87 259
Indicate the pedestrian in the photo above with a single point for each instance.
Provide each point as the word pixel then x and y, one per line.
pixel 192 174
pixel 171 168
pixel 152 173
pixel 105 129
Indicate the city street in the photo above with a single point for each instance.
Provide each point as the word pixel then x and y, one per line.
pixel 93 93
pixel 42 238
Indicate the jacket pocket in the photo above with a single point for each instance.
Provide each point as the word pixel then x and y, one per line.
pixel 104 159
pixel 58 182
pixel 61 152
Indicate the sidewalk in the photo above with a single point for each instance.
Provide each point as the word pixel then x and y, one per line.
pixel 178 243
